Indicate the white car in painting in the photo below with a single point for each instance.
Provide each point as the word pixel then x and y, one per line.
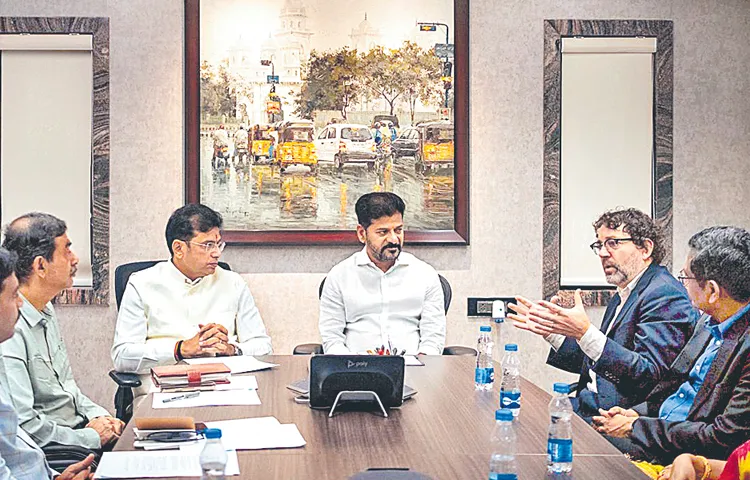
pixel 344 143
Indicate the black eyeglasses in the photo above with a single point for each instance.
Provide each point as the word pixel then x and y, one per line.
pixel 682 278
pixel 610 244
pixel 183 436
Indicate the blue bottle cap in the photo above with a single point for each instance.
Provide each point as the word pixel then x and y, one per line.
pixel 511 347
pixel 485 328
pixel 561 388
pixel 503 415
pixel 210 433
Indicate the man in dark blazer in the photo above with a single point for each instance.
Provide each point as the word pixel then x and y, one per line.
pixel 702 404
pixel 645 326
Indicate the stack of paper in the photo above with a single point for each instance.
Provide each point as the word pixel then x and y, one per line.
pixel 241 382
pixel 214 398
pixel 237 364
pixel 253 434
pixel 179 463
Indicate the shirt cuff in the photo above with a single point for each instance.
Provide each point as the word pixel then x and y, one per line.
pixel 90 438
pixel 592 343
pixel 555 340
pixel 429 350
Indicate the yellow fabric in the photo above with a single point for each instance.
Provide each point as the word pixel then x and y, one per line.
pixel 650 469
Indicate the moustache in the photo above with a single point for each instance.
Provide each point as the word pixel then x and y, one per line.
pixel 391 245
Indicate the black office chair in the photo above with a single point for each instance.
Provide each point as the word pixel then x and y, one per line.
pixel 317 349
pixel 60 457
pixel 126 382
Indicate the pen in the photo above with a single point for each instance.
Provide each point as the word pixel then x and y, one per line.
pixel 181 397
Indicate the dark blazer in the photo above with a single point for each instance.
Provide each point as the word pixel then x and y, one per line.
pixel 653 326
pixel 719 419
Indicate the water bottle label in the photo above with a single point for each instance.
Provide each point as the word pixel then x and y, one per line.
pixel 484 375
pixel 503 476
pixel 560 450
pixel 510 399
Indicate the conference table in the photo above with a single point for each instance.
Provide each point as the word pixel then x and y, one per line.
pixel 443 431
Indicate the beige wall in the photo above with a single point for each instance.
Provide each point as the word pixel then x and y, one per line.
pixel 711 126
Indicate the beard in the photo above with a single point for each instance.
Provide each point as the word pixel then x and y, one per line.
pixel 383 255
pixel 623 272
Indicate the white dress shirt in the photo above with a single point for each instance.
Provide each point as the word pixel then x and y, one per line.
pixel 161 306
pixel 592 342
pixel 362 307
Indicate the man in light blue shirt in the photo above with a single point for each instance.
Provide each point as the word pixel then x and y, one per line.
pixel 20 457
pixel 676 407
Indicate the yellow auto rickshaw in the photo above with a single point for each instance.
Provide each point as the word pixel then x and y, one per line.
pixel 260 138
pixel 295 145
pixel 435 149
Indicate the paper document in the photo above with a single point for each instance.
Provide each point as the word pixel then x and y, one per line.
pixel 237 364
pixel 207 399
pixel 236 382
pixel 412 361
pixel 253 434
pixel 157 464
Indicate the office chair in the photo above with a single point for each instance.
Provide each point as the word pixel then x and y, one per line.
pixel 60 457
pixel 317 349
pixel 126 382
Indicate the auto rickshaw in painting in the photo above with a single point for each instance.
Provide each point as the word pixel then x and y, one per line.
pixel 295 145
pixel 435 149
pixel 260 143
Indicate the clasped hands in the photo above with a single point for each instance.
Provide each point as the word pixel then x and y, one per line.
pixel 108 428
pixel 546 318
pixel 211 340
pixel 615 422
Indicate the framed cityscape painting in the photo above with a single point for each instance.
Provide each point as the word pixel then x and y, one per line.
pixel 296 108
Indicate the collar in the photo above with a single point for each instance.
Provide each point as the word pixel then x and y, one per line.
pixel 362 258
pixel 718 330
pixel 33 316
pixel 625 292
pixel 180 277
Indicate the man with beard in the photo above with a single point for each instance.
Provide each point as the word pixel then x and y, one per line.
pixel 50 406
pixel 380 296
pixel 645 326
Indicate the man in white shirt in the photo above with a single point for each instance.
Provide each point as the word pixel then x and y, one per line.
pixel 645 326
pixel 381 297
pixel 188 306
pixel 20 457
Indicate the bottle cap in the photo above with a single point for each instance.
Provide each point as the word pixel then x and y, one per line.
pixel 561 388
pixel 511 347
pixel 485 328
pixel 503 415
pixel 210 433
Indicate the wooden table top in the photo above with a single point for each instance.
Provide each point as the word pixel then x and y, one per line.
pixel 443 431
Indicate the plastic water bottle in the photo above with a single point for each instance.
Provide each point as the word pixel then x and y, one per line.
pixel 510 384
pixel 213 458
pixel 560 440
pixel 503 461
pixel 484 375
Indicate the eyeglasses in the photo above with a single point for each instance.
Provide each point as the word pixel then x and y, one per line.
pixel 610 244
pixel 683 278
pixel 211 246
pixel 171 437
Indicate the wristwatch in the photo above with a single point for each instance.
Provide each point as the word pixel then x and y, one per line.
pixel 237 350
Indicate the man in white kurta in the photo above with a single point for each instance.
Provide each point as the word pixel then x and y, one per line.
pixel 380 296
pixel 188 306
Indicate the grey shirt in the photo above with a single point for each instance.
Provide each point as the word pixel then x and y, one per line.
pixel 49 404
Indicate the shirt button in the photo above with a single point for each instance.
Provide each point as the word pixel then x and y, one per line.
pixel 682 395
